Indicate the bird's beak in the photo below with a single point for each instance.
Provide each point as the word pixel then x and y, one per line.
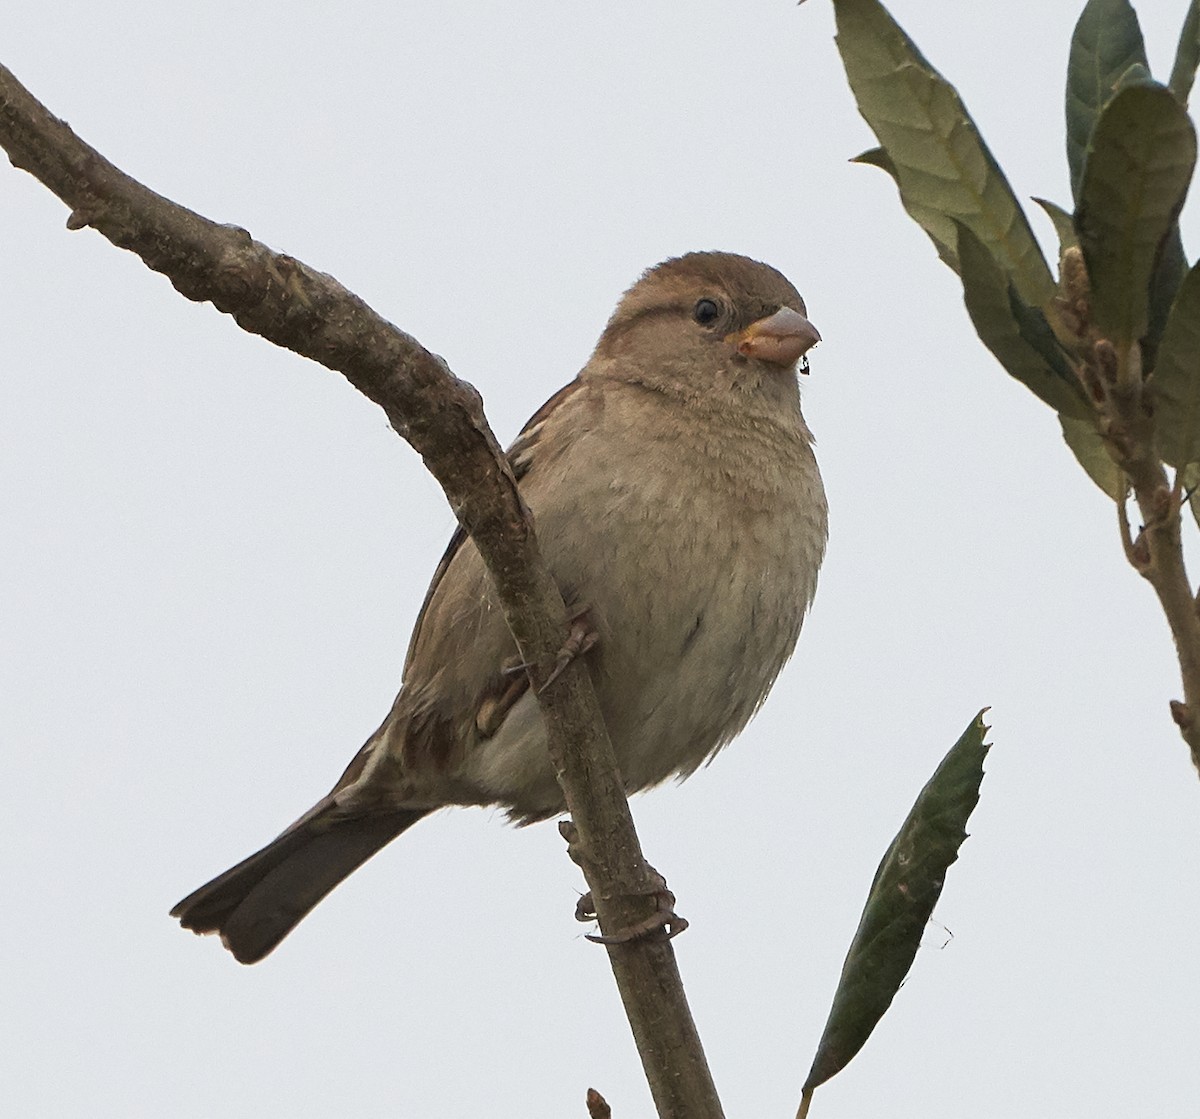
pixel 781 339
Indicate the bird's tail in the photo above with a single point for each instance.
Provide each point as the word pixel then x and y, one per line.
pixel 255 904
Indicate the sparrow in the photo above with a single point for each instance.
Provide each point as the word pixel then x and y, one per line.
pixel 677 501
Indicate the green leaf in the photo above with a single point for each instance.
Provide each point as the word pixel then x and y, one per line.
pixel 1010 329
pixel 876 157
pixel 1164 286
pixel 1087 446
pixel 1187 54
pixel 1035 331
pixel 1137 74
pixel 906 888
pixel 1177 378
pixel 943 168
pixel 1134 183
pixel 1106 43
pixel 1064 223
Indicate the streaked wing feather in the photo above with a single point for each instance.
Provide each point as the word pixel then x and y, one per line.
pixel 521 456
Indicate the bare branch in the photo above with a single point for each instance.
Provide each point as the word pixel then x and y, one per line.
pixel 308 312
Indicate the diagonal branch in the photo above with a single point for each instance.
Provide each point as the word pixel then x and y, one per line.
pixel 310 313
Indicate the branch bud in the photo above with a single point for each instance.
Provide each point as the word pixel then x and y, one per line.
pixel 1073 279
pixel 1106 360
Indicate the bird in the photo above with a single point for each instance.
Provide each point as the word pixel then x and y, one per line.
pixel 677 501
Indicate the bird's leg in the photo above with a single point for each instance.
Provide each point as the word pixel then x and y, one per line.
pixel 580 638
pixel 664 922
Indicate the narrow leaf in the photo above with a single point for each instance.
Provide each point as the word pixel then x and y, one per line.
pixel 1064 223
pixel 1106 42
pixel 906 888
pixel 1036 332
pixel 1172 267
pixel 1087 446
pixel 1187 54
pixel 1177 378
pixel 943 168
pixel 995 309
pixel 1134 183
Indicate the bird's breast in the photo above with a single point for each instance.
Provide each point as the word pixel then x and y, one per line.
pixel 697 559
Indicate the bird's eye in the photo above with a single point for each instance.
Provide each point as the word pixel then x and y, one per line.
pixel 706 312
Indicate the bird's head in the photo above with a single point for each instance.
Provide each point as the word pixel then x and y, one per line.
pixel 706 324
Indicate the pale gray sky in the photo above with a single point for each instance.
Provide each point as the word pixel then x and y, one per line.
pixel 214 551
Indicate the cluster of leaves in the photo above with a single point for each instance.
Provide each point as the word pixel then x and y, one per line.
pixel 1124 292
pixel 1131 149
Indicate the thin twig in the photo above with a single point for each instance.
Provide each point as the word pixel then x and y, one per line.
pixel 1126 532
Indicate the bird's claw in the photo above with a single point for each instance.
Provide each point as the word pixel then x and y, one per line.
pixel 580 638
pixel 663 924
pixel 515 668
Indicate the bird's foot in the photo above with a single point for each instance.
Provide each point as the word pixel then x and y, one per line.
pixel 663 924
pixel 580 638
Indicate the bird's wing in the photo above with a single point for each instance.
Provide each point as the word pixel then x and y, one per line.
pixel 521 457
